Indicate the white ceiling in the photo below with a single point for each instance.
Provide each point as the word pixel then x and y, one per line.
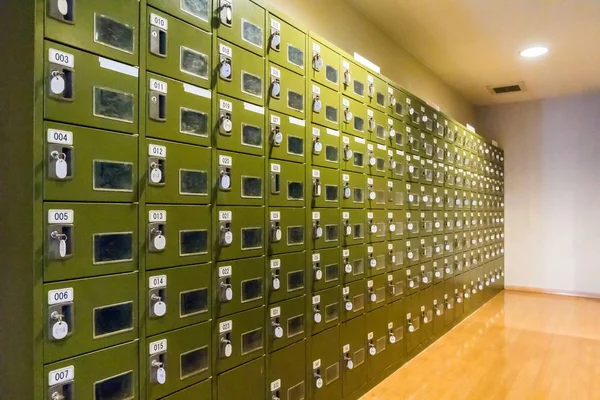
pixel 472 44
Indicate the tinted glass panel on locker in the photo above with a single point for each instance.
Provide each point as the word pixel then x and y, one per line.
pixel 240 74
pixel 113 248
pixel 113 319
pixel 117 387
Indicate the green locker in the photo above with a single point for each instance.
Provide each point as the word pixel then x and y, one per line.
pixel 396 255
pixel 413 224
pixel 178 50
pixel 286 184
pixel 287 138
pixel 459 300
pixel 451 131
pixel 242 184
pixel 377 126
pixel 413 252
pixel 354 353
pixel 397 164
pixel 287 276
pixel 395 225
pixel 354 188
pixel 202 390
pixel 395 198
pixel 354 263
pixel 413 165
pixel 324 370
pixel 101 240
pixel 396 319
pixel 325 106
pixel 287 323
pixel 377 225
pixel 354 80
pixel 354 117
pixel 427 172
pixel 414 113
pixel 377 95
pixel 426 223
pixel 287 91
pixel 413 322
pixel 286 379
pixel 177 173
pixel 107 160
pixel 426 197
pixel 178 111
pixel 413 195
pixel 378 259
pixel 439 309
pixel 426 309
pixel 239 338
pixel 177 235
pixel 241 74
pixel 241 238
pixel 440 125
pixel 354 154
pixel 458 221
pixel 252 375
pixel 449 177
pixel 438 271
pixel 110 374
pixel 439 175
pixel 195 12
pixel 395 284
pixel 93 319
pixel 287 45
pixel 241 23
pixel 396 134
pixel 380 192
pixel 397 103
pixel 325 228
pixel 325 309
pixel 439 150
pixel 450 222
pixel 110 28
pixel 325 187
pixel 377 288
pixel 450 266
pixel 178 359
pixel 325 272
pixel 107 101
pixel 325 65
pixel 438 222
pixel 426 271
pixel 239 286
pixel 353 227
pixel 377 159
pixel 239 126
pixel 459 178
pixel 353 300
pixel 177 297
pixel 426 145
pixel 449 303
pixel 329 155
pixel 438 246
pixel 413 279
pixel 377 342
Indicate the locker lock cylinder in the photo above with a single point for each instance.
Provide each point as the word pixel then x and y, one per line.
pixel 347 357
pixel 225 166
pixel 347 190
pixel 391 334
pixel 371 257
pixel 276 135
pixel 316 304
pixel 317 145
pixel 225 335
pixel 60 313
pixel 391 285
pixel 157 228
pixel 225 117
pixel 391 223
pixel 348 153
pixel 391 129
pixel 225 286
pixel 275 272
pixel 225 62
pixel 61 79
pixel 372 294
pixel 346 298
pixel 439 310
pixel 372 193
pixel 371 222
pixel 347 225
pixel 347 265
pixel 275 35
pixel 158 361
pixel 157 296
pixel 317 374
pixel 317 271
pixel 317 61
pixel 372 349
pixel 225 233
pixel 275 83
pixel 226 12
pixel 409 321
pixel 317 228
pixel 60 154
pixel 275 324
pixel 276 232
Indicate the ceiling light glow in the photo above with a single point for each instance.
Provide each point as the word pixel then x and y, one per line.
pixel 532 52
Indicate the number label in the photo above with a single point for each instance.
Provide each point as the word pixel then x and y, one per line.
pixel 61 375
pixel 316 216
pixel 225 272
pixel 316 173
pixel 159 346
pixel 316 299
pixel 157 216
pixel 275 216
pixel 225 161
pixel 225 216
pixel 276 385
pixel 59 296
pixel 225 50
pixel 275 312
pixel 275 73
pixel 61 216
pixel 159 21
pixel 60 137
pixel 317 364
pixel 157 151
pixel 61 58
pixel 316 257
pixel 275 120
pixel 157 281
pixel 225 105
pixel 225 326
pixel 275 168
pixel 275 25
pixel 275 264
pixel 158 86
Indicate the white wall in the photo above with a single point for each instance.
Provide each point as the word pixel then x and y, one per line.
pixel 341 24
pixel 552 190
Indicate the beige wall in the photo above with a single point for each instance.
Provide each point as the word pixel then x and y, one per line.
pixel 339 23
pixel 552 190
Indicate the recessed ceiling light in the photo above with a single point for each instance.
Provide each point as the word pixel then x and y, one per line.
pixel 534 52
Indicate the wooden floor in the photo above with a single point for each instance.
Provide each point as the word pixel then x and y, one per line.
pixel 520 345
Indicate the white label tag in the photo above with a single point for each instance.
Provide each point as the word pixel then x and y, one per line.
pixel 276 263
pixel 346 140
pixel 317 364
pixel 61 375
pixel 346 253
pixel 369 284
pixel 359 140
pixel 316 132
pixel 157 216
pixel 225 271
pixel 346 290
pixel 59 296
pixel 316 215
pixel 316 173
pixel 369 181
pixel 159 21
pixel 275 312
pixel 390 122
pixel 225 50
pixel 370 250
pixel 316 89
pixel 255 109
pixel 276 385
pixel 370 79
pixel 158 86
pixel 345 215
pixel 275 25
pixel 275 120
pixel 61 58
pixel 157 281
pixel 225 105
pixel 197 91
pixel 370 336
pixel 390 215
pixel 382 147
pixel 370 113
pixel 276 168
pixel 346 102
pixel 225 326
pixel 225 161
pixel 225 216
pixel 160 346
pixel 345 64
pixel 345 178
pixel 60 137
pixel 157 151
pixel 275 215
pixel 316 48
pixel 333 132
pixel 370 147
pixel 316 257
pixel 61 216
pixel 346 348
pixel 118 67
pixel 316 299
pixel 297 121
pixel 370 215
pixel 275 73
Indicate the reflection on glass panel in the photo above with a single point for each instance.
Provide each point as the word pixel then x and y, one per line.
pixel 193 122
pixel 113 247
pixel 193 62
pixel 113 319
pixel 113 176
pixel 113 34
pixel 252 341
pixel 113 104
pixel 295 56
pixel 252 33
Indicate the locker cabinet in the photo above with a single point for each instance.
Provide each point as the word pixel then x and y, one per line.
pixel 286 44
pixel 324 365
pixel 241 23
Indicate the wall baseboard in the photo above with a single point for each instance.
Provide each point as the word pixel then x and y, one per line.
pixel 552 291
